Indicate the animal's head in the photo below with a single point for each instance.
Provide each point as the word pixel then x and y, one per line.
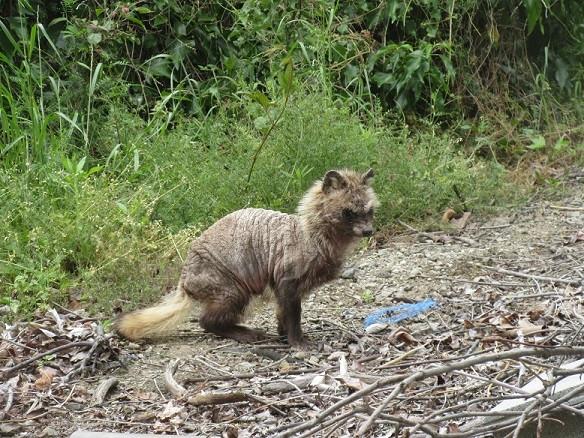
pixel 343 199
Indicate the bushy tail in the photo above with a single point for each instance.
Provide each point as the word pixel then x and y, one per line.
pixel 156 320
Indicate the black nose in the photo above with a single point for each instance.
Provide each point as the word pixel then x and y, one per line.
pixel 367 233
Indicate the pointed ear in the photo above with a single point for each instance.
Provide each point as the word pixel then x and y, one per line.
pixel 368 176
pixel 333 180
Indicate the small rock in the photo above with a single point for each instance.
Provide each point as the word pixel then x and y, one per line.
pixel 299 355
pixel 349 273
pixel 414 272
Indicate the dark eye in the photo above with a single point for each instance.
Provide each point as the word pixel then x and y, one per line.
pixel 348 214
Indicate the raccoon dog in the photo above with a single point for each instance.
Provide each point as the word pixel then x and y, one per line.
pixel 251 250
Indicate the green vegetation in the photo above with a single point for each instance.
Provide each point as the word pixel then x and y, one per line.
pixel 127 127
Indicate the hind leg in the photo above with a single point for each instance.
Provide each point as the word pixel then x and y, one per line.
pixel 223 317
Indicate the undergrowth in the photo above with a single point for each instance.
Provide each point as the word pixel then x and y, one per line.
pixel 115 236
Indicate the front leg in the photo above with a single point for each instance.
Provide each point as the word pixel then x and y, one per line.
pixel 289 313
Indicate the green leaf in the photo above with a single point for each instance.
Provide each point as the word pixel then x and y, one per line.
pixel 533 8
pixel 261 98
pixel 537 143
pixel 94 77
pixel 136 21
pixel 159 65
pixel 562 75
pixel 48 38
pixel 381 78
pixel 287 76
pixel 80 165
pixel 94 38
pixel 143 10
pixel 136 160
pixel 261 123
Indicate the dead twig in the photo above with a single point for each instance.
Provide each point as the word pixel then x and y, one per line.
pixel 99 341
pixel 434 371
pixel 102 390
pixel 217 398
pixel 6 372
pixel 566 208
pixel 433 238
pixel 170 383
pixel 531 276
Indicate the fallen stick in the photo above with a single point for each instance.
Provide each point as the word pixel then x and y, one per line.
pixel 242 376
pixel 212 398
pixel 282 386
pixel 170 383
pixel 5 372
pixel 102 390
pixel 531 276
pixel 434 371
pixel 217 398
pixel 433 238
pixel 568 208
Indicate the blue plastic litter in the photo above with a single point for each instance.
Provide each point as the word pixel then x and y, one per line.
pixel 393 314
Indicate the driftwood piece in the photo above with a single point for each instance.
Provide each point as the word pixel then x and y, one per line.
pixel 211 398
pixel 102 390
pixel 281 386
pixel 170 383
pixel 217 398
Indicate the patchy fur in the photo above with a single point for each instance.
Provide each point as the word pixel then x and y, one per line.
pixel 253 250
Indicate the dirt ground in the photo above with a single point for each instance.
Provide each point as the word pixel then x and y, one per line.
pixel 479 309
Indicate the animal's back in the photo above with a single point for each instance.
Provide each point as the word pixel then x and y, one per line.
pixel 246 249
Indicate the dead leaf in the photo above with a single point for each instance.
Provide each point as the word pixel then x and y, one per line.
pixel 535 314
pixel 58 320
pixel 376 328
pixel 336 355
pixel 142 417
pixel 576 237
pixel 79 332
pixel 448 215
pixel 527 327
pixel 460 222
pixel 46 378
pixel 80 355
pixel 402 335
pixel 47 333
pixel 170 410
pixel 284 366
pixel 324 382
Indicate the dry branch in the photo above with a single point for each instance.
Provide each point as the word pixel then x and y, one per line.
pixel 531 276
pixel 102 390
pixel 281 386
pixel 217 398
pixel 6 372
pixel 170 383
pixel 434 371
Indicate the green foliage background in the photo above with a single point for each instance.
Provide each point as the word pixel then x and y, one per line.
pixel 127 127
